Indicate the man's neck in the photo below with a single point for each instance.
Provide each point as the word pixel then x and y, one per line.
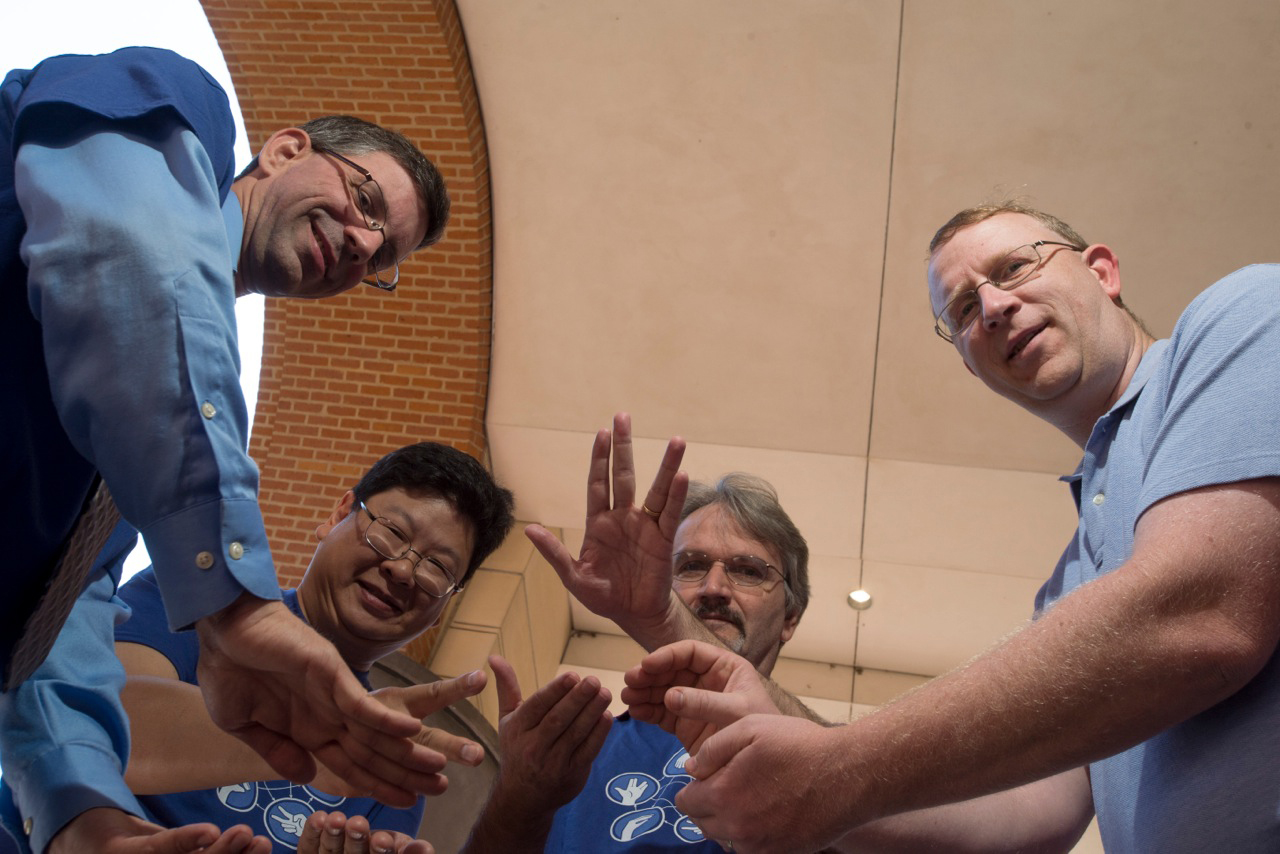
pixel 1077 423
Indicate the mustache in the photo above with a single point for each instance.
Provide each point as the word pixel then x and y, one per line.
pixel 719 610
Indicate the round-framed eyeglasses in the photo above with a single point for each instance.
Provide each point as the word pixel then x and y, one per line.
pixel 431 576
pixel 384 270
pixel 1011 270
pixel 746 571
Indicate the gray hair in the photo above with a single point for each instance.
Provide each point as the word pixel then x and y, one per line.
pixel 753 504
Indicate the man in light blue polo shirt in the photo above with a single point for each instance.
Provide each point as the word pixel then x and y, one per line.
pixel 1148 686
pixel 124 240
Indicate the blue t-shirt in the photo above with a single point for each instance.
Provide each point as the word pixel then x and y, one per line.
pixel 628 804
pixel 1203 408
pixel 277 808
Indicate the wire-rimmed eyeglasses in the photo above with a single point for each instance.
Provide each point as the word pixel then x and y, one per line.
pixel 1011 270
pixel 431 576
pixel 690 567
pixel 372 203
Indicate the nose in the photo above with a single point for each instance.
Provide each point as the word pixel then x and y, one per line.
pixel 997 305
pixel 716 583
pixel 400 570
pixel 362 244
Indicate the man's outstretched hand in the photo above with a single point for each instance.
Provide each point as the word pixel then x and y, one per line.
pixel 624 570
pixel 420 701
pixel 105 830
pixel 693 689
pixel 273 682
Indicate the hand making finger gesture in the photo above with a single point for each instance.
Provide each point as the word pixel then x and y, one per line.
pixel 624 570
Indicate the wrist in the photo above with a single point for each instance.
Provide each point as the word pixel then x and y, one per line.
pixel 510 823
pixel 667 625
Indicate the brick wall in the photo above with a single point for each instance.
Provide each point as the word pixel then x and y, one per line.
pixel 345 380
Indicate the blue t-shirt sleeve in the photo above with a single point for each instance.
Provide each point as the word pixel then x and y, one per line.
pixel 1220 406
pixel 147 626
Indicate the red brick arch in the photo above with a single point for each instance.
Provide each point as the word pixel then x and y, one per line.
pixel 347 379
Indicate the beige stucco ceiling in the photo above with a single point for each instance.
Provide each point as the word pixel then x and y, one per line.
pixel 714 214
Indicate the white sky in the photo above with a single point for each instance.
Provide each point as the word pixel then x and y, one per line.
pixel 33 31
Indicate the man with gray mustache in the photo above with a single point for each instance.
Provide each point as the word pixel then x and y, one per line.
pixel 718 563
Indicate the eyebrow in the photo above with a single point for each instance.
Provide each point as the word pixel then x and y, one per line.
pixel 404 524
pixel 987 264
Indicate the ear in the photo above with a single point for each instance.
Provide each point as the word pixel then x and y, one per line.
pixel 341 511
pixel 788 628
pixel 282 149
pixel 1105 265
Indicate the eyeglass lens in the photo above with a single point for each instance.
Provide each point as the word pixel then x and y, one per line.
pixel 742 570
pixel 1009 272
pixel 388 542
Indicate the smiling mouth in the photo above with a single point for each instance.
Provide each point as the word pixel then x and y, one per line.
pixel 327 258
pixel 1022 342
pixel 379 598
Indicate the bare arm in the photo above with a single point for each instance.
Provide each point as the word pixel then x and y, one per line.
pixel 1044 817
pixel 1184 624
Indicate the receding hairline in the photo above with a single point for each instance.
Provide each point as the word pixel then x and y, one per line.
pixel 727 517
pixel 981 213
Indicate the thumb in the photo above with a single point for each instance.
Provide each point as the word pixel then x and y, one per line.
pixel 550 547
pixel 509 696
pixel 717 751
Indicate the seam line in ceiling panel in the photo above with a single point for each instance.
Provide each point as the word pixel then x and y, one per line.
pixel 884 263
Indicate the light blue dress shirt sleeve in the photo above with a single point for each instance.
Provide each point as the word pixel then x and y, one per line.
pixel 65 734
pixel 130 275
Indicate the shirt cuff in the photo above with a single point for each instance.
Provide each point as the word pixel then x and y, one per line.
pixel 64 782
pixel 207 555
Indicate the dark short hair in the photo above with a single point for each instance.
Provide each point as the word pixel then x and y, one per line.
pixel 352 136
pixel 752 502
pixel 435 469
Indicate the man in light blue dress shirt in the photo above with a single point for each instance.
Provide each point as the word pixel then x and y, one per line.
pixel 124 241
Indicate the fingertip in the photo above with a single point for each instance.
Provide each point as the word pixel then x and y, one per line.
pixel 675 700
pixel 471 754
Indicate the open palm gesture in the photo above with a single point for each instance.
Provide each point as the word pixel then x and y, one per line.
pixel 624 570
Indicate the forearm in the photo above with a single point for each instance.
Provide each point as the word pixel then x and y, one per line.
pixel 789 704
pixel 1039 818
pixel 509 825
pixel 140 344
pixel 1098 674
pixel 176 746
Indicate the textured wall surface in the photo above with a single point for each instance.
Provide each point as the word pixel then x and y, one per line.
pixel 345 380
